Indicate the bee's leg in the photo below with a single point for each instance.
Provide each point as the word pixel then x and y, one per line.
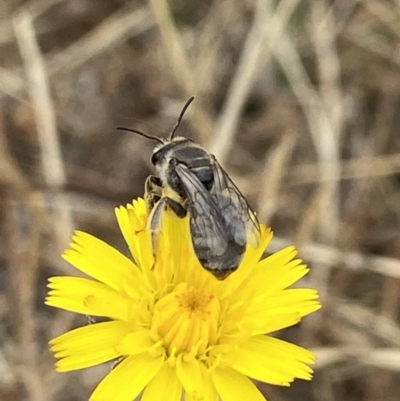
pixel 158 209
pixel 154 221
pixel 156 216
pixel 153 195
pixel 152 191
pixel 176 207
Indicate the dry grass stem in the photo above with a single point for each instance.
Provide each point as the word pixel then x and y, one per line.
pixel 182 66
pixel 38 87
pixel 355 261
pixel 272 176
pixel 330 123
pixel 385 358
pixel 365 167
pixel 24 271
pixel 119 27
pixel 263 35
pixel 53 168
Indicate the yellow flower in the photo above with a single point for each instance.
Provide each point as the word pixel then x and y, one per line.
pixel 174 327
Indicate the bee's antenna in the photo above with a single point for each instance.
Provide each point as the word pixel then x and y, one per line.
pixel 135 131
pixel 187 104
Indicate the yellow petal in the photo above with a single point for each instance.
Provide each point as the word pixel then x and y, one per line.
pixel 133 222
pixel 278 271
pixel 295 300
pixel 165 386
pixel 233 386
pixel 86 296
pixel 260 322
pixel 273 361
pixel 282 257
pixel 101 261
pixel 209 390
pixel 190 375
pixel 127 380
pixel 88 346
pixel 126 228
pixel 272 278
pixel 135 343
pixel 144 250
pixel 130 225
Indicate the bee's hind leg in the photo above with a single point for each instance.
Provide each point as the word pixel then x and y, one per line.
pixel 155 218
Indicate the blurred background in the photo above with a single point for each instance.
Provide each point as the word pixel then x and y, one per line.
pixel 299 101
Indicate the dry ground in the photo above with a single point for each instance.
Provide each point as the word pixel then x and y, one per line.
pixel 300 100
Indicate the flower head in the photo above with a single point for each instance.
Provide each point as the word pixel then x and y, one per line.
pixel 174 327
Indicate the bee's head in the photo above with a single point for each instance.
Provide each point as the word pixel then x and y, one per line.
pixel 162 150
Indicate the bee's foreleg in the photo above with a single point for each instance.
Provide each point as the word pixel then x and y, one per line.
pixel 152 191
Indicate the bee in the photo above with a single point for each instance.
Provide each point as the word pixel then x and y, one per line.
pixel 191 181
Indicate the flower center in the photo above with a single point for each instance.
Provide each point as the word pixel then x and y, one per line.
pixel 186 320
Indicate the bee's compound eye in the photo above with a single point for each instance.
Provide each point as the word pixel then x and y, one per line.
pixel 157 156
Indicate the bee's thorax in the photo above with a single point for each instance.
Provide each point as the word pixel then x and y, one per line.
pixel 186 152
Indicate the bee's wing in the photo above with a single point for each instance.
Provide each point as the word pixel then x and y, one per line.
pixel 208 224
pixel 234 207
